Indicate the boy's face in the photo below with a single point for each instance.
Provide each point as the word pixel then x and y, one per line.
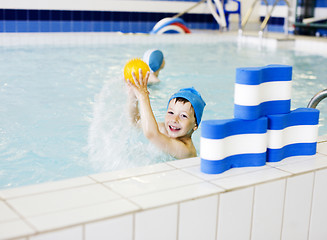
pixel 180 120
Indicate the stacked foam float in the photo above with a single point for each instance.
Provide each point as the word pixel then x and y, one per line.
pixel 170 25
pixel 264 128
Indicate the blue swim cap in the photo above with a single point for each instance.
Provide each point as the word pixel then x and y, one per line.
pixel 194 98
pixel 154 58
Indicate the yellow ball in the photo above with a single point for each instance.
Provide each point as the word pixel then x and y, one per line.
pixel 134 65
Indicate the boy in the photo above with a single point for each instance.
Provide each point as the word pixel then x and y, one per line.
pixel 183 117
pixel 155 59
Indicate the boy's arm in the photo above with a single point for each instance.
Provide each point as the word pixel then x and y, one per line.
pixel 149 124
pixel 133 108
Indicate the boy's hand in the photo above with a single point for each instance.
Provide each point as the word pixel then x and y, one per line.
pixel 140 88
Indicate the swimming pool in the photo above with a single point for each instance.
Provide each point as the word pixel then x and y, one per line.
pixel 63 106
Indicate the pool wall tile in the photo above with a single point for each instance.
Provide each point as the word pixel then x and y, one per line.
pixel 267 217
pixel 234 214
pixel 199 215
pixel 120 228
pixel 107 19
pixel 297 207
pixel 75 233
pixel 319 206
pixel 159 223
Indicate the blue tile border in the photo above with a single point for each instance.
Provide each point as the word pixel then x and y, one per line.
pixel 20 20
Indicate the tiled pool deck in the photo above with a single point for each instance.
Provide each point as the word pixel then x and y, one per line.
pixel 162 200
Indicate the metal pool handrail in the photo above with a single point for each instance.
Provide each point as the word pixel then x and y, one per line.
pixel 317 98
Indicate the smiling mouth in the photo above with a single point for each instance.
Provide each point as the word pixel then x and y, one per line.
pixel 174 129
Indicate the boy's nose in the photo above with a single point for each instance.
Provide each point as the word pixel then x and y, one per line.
pixel 175 118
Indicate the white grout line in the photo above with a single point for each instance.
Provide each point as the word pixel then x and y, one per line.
pixel 21 217
pixel 311 203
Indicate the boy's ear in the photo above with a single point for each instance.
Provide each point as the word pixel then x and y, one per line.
pixel 195 127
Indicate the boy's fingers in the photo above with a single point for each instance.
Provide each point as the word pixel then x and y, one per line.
pixel 129 83
pixel 147 77
pixel 140 76
pixel 135 79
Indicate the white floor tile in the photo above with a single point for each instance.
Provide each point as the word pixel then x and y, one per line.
pixel 196 170
pixel 198 219
pixel 6 213
pixel 322 138
pixel 120 228
pixel 268 210
pixel 294 160
pixel 318 230
pixel 85 214
pixel 251 178
pixel 185 162
pixel 175 195
pixel 159 224
pixel 45 187
pixel 297 207
pixel 303 165
pixel 234 214
pixel 62 200
pixel 75 233
pixel 152 183
pixel 322 148
pixel 131 172
pixel 14 229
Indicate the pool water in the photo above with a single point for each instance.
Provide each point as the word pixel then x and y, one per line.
pixel 63 108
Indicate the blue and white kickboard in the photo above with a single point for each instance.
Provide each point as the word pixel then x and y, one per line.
pixel 261 91
pixel 293 134
pixel 232 143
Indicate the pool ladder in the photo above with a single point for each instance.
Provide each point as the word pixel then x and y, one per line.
pixel 268 15
pixel 317 98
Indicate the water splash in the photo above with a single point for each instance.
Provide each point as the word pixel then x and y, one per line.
pixel 113 143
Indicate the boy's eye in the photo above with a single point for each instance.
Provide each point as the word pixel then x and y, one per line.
pixel 184 116
pixel 170 112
